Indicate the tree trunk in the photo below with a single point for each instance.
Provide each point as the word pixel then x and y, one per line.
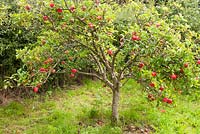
pixel 115 103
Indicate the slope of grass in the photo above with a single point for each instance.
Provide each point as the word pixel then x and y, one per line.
pixel 86 109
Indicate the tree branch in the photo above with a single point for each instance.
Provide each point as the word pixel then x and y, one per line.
pixel 98 64
pixel 98 77
pixel 116 52
pixel 127 64
pixel 49 73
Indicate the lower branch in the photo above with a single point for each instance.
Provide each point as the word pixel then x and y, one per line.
pixel 98 77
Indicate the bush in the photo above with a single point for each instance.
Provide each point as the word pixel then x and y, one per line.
pixel 17 30
pixel 182 11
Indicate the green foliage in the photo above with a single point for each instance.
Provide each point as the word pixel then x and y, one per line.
pixel 77 38
pixel 17 30
pixel 182 12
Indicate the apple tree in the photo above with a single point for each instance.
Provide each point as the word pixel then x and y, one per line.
pixel 119 42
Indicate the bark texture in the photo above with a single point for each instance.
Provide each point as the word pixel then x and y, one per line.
pixel 115 104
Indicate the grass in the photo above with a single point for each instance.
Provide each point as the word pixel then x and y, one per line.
pixel 87 110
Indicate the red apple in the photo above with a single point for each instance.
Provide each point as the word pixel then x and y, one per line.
pixel 43 70
pixel 63 62
pixel 141 65
pixel 173 76
pixel 27 7
pixel 46 62
pixel 198 62
pixel 90 25
pixel 74 71
pixel 169 101
pixel 72 9
pixel 152 84
pixel 84 8
pixel 51 5
pixel 99 17
pixel 45 18
pixel 53 71
pixel 110 52
pixel 135 38
pixel 150 96
pixel 59 10
pixel 72 75
pixel 186 65
pixel 35 89
pixel 153 74
pixel 165 99
pixel 161 88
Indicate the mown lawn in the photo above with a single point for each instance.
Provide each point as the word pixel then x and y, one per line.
pixel 86 110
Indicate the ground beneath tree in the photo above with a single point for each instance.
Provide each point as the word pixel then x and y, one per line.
pixel 86 110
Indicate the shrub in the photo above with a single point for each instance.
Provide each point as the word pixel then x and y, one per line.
pixel 17 30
